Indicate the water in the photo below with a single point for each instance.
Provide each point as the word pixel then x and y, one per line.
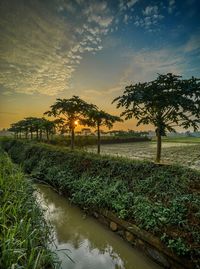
pixel 87 242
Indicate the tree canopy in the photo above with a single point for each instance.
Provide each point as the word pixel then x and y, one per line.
pixel 73 109
pixel 166 102
pixel 32 125
pixel 97 118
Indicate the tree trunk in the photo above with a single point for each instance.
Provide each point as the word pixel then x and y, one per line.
pixel 37 134
pixel 72 138
pixel 40 134
pixel 31 135
pixel 26 135
pixel 159 140
pixel 47 132
pixel 98 139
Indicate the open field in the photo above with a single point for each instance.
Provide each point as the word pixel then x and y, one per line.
pixel 188 139
pixel 184 153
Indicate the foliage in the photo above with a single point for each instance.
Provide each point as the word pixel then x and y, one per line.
pixel 165 102
pixel 34 125
pixel 82 141
pixel 97 118
pixel 73 109
pixel 23 231
pixel 158 198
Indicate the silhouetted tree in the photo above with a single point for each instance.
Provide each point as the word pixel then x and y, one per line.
pixel 97 118
pixel 165 102
pixel 72 109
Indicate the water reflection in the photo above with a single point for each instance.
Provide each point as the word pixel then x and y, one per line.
pixel 88 243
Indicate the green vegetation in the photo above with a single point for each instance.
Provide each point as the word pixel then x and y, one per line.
pixel 38 126
pixel 165 102
pixel 188 139
pixel 82 141
pixel 73 109
pixel 24 234
pixel 161 199
pixel 97 118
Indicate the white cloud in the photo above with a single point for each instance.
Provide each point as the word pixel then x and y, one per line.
pixel 45 48
pixel 151 18
pixel 150 10
pixel 144 65
pixel 100 20
pixel 126 17
pixel 171 6
pixel 193 43
pixel 131 3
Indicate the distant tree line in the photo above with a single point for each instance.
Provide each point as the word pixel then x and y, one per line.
pixel 41 127
pixel 67 112
pixel 166 102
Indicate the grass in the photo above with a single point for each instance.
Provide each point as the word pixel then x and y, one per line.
pixel 161 199
pixel 188 139
pixel 24 234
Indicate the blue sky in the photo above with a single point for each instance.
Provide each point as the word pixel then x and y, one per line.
pixel 57 48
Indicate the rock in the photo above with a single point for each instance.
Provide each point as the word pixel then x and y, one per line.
pixel 140 243
pixel 157 256
pixel 96 215
pixel 129 236
pixel 120 233
pixel 113 226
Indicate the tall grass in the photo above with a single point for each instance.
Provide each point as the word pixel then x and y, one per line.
pixel 24 234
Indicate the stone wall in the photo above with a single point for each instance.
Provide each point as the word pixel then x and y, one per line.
pixel 148 243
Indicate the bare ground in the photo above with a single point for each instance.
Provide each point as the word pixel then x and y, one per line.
pixel 187 154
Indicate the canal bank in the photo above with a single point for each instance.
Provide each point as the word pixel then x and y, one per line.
pixel 161 200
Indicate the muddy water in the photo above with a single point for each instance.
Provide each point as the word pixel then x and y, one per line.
pixel 88 243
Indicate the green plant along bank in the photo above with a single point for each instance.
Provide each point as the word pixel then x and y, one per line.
pixel 161 199
pixel 24 234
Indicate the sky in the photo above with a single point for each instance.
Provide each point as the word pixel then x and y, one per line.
pixel 58 48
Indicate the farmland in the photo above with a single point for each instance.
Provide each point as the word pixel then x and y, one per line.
pixel 182 150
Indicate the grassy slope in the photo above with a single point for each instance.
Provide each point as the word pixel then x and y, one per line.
pixel 161 199
pixel 23 231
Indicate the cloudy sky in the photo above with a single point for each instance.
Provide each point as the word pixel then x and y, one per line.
pixel 58 48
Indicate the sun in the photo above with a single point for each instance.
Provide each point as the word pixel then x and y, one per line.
pixel 76 122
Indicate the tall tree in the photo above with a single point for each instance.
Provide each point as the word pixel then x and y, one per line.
pixel 49 127
pixel 72 109
pixel 31 125
pixel 165 102
pixel 97 118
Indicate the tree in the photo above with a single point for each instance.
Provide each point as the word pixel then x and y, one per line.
pixel 72 109
pixel 165 102
pixel 31 125
pixel 97 118
pixel 16 129
pixel 48 126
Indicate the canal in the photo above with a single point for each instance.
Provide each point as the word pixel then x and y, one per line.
pixel 88 243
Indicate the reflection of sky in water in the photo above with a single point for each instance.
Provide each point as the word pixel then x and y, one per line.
pixel 84 257
pixel 89 244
